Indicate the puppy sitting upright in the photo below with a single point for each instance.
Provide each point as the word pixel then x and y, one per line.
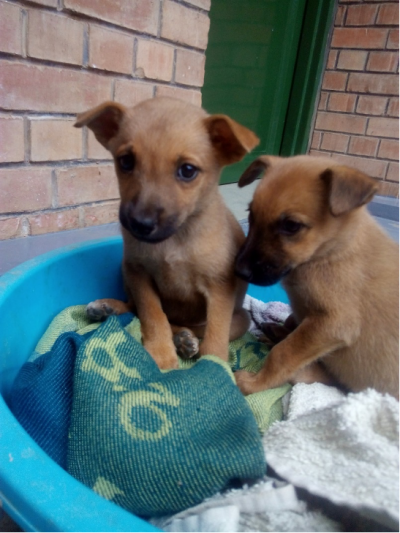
pixel 309 227
pixel 180 240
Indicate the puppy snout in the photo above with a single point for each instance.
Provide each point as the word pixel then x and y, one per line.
pixel 243 266
pixel 143 225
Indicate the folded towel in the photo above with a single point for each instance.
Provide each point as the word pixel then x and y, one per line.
pixel 346 452
pixel 154 442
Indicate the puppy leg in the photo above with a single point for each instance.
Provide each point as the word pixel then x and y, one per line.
pixel 156 330
pixel 220 310
pixel 314 373
pixel 312 339
pixel 101 309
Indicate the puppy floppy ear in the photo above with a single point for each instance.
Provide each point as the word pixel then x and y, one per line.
pixel 257 167
pixel 231 140
pixel 347 189
pixel 103 120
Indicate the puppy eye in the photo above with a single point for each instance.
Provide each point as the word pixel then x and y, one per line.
pixel 289 227
pixel 187 172
pixel 126 162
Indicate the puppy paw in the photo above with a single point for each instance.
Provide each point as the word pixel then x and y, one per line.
pixel 164 355
pixel 99 310
pixel 273 333
pixel 186 344
pixel 249 382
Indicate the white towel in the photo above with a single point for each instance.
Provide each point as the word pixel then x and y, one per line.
pixel 347 453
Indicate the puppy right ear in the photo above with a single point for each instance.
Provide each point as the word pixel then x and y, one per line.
pixel 254 171
pixel 103 120
pixel 348 189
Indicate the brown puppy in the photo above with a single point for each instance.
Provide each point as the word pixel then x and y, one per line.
pixel 180 240
pixel 309 227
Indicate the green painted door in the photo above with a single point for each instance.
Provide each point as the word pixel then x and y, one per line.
pixel 252 67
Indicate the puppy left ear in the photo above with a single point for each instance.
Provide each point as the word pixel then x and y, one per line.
pixel 257 167
pixel 231 140
pixel 347 189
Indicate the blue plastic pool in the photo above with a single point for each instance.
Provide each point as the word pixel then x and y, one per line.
pixel 34 490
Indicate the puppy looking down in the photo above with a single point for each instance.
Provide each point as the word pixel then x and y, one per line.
pixel 180 240
pixel 309 227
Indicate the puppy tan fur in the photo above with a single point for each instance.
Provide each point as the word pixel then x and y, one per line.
pixel 180 240
pixel 309 227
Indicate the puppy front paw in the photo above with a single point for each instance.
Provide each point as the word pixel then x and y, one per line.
pixel 99 310
pixel 186 344
pixel 164 355
pixel 249 382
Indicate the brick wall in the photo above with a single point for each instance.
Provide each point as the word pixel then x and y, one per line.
pixel 61 57
pixel 357 119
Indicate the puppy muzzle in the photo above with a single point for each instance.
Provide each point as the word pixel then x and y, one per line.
pixel 146 227
pixel 254 269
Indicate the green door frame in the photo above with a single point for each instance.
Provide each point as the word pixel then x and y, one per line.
pixel 310 63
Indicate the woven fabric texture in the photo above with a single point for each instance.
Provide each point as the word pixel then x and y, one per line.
pixel 154 442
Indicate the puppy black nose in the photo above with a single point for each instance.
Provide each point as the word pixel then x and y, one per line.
pixel 143 225
pixel 243 270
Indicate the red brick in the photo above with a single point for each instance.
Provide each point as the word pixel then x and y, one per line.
pixel 110 50
pixel 24 189
pixel 189 95
pixel 363 146
pixel 362 15
pixel 364 38
pixel 318 153
pixel 94 149
pixel 352 59
pixel 389 149
pixel 371 105
pixel 323 100
pixel 332 57
pixel 334 81
pixel 154 60
pixel 316 140
pixel 393 109
pixel 139 15
pixel 50 89
pixel 334 142
pixel 388 14
pixel 383 127
pixel 393 172
pixel 55 140
pixel 382 61
pixel 54 221
pixel 10 228
pixel 184 25
pixel 130 93
pixel 202 4
pixel 340 14
pixel 83 184
pixel 373 167
pixel 11 140
pixel 340 122
pixel 387 188
pixel 47 3
pixel 342 102
pixel 54 37
pixel 104 213
pixel 190 68
pixel 373 83
pixel 10 29
pixel 393 40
